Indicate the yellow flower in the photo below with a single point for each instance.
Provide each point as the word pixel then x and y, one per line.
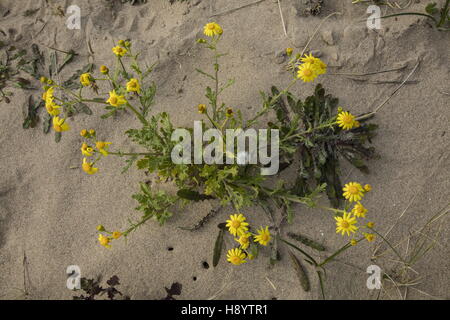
pixel 367 188
pixel 115 100
pixel 353 191
pixel 369 236
pixel 88 167
pixel 263 236
pixel 133 86
pixel 60 125
pixel 229 113
pixel 370 225
pixel 119 51
pixel 86 150
pixel 121 43
pixel 43 79
pixel 83 133
pixel 237 225
pixel 47 96
pixel 102 147
pixel 317 64
pixel 201 108
pixel 307 72
pixel 52 108
pixel 92 132
pixel 236 256
pixel 85 79
pixel 353 242
pixel 289 51
pixel 211 29
pixel 116 234
pixel 359 210
pixel 345 224
pixel 346 120
pixel 104 70
pixel 104 241
pixel 100 228
pixel 244 240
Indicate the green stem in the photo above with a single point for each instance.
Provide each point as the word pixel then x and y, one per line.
pixel 140 116
pixel 119 153
pixel 410 14
pixel 301 251
pixel 330 258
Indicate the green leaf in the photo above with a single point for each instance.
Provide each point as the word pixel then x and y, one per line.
pixel 192 195
pixel 300 271
pixel 47 123
pixel 81 107
pixel 431 8
pixel 306 241
pixel 218 248
pixel 58 136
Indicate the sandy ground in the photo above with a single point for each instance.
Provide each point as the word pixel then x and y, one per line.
pixel 49 212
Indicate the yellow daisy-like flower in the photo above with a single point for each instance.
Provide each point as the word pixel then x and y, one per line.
pixel 307 72
pixel 346 120
pixel 60 125
pixel 236 256
pixel 104 241
pixel 359 210
pixel 100 228
pixel 86 150
pixel 52 108
pixel 115 100
pixel 316 63
pixel 88 167
pixel 83 133
pixel 367 187
pixel 370 225
pixel 133 86
pixel 201 108
pixel 369 237
pixel 47 96
pixel 116 234
pixel 244 240
pixel 346 224
pixel 237 225
pixel 102 147
pixel 353 191
pixel 85 79
pixel 263 236
pixel 211 29
pixel 289 51
pixel 119 51
pixel 353 242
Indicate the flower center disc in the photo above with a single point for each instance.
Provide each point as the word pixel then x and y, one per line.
pixel 307 72
pixel 235 224
pixel 353 190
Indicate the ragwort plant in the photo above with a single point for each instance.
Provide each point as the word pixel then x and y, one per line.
pixel 312 136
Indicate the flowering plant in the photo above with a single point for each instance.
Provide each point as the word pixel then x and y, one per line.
pixel 311 134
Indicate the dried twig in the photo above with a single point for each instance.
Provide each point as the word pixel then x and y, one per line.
pixel 282 19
